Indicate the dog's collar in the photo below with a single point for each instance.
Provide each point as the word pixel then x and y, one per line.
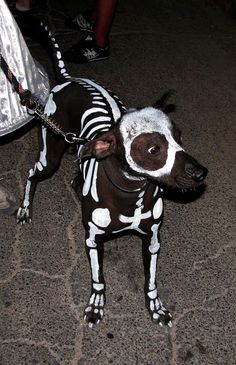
pixel 120 179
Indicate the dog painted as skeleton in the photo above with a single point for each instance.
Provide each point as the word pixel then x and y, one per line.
pixel 129 155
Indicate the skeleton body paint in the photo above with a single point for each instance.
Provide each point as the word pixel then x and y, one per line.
pixel 149 120
pixel 94 121
pixel 158 312
pixel 100 218
pixel 145 153
pixel 135 220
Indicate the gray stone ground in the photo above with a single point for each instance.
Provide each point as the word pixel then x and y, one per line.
pixel 44 274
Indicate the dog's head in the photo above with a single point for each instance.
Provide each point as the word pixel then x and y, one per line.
pixel 150 146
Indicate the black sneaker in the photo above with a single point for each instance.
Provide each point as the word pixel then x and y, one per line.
pixel 82 21
pixel 86 51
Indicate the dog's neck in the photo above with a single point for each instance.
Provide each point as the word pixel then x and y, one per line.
pixel 121 179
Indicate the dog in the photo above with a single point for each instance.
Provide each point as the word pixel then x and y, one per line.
pixel 128 157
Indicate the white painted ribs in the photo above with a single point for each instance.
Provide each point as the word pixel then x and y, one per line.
pixel 105 111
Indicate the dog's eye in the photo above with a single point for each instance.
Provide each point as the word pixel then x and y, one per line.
pixel 154 150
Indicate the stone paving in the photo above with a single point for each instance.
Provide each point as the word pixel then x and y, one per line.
pixel 44 274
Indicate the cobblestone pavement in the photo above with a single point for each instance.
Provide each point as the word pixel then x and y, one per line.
pixel 44 274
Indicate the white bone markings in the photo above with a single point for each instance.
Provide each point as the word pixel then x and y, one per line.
pixel 158 312
pixel 149 120
pixel 94 312
pixel 95 120
pixel 101 217
pixel 136 219
pixel 23 214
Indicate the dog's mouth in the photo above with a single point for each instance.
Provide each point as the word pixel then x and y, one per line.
pixel 183 183
pixel 182 190
pixel 186 184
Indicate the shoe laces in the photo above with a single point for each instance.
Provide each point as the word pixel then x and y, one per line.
pixel 90 53
pixel 83 23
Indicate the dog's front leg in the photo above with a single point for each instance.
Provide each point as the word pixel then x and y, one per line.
pixel 93 313
pixel 151 247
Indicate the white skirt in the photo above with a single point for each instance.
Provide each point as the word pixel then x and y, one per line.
pixel 27 71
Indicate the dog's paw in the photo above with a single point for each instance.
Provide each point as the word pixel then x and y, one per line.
pixel 93 313
pixel 23 215
pixel 159 313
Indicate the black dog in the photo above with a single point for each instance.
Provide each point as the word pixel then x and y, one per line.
pixel 129 155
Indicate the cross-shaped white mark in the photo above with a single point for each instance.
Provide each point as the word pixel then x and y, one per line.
pixel 136 218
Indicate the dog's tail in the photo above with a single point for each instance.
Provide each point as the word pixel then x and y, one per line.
pixel 53 49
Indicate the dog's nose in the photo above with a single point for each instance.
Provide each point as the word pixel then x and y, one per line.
pixel 197 173
pixel 200 174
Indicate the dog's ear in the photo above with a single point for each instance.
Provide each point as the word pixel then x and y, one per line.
pixel 162 103
pixel 103 146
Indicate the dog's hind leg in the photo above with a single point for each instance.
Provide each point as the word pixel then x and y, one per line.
pixel 49 157
pixel 151 247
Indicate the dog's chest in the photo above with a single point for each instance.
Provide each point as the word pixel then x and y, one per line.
pixel 114 214
pixel 139 215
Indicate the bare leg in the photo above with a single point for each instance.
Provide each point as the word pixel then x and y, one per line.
pixel 23 5
pixel 103 15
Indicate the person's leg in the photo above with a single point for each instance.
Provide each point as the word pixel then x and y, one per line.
pixel 23 5
pixel 95 47
pixel 104 14
pixel 98 20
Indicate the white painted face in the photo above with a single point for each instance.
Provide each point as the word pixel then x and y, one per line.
pixel 148 121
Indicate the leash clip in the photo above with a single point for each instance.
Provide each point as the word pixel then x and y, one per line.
pixel 71 138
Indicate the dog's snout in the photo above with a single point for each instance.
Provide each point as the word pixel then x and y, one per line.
pixel 197 173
